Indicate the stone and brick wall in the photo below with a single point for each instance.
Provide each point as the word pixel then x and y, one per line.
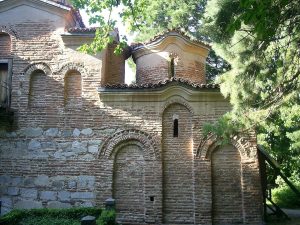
pixel 72 146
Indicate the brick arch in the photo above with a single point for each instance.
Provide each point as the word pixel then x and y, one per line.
pixel 10 31
pixel 177 100
pixel 71 67
pixel 111 145
pixel 29 70
pixel 37 66
pixel 212 142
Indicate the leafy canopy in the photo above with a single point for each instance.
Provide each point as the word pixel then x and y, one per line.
pixel 261 41
pixel 147 19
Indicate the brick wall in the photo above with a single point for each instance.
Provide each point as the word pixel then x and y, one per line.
pixel 178 167
pixel 227 201
pixel 114 67
pixel 5 44
pixel 37 91
pixel 128 184
pixel 153 66
pixel 60 156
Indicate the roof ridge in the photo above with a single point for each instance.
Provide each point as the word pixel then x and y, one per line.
pixel 164 33
pixel 161 84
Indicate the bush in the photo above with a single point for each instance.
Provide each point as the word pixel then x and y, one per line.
pixel 285 197
pixel 44 216
pixel 107 217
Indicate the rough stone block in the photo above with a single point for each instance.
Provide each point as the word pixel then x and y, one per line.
pixel 88 157
pixel 52 132
pixel 12 191
pixel 34 144
pixel 56 204
pixel 82 195
pixel 88 220
pixel 16 181
pixel 5 180
pixel 28 193
pixel 79 146
pixel 66 133
pixel 42 181
pixel 6 202
pixel 87 131
pixel 86 182
pixel 28 204
pixel 65 145
pixel 93 148
pixel 29 182
pixel 31 132
pixel 95 142
pixel 3 190
pixel 64 195
pixel 76 132
pixel 58 184
pixel 48 195
pixel 72 184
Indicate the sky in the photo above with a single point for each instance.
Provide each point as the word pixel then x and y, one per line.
pixel 129 73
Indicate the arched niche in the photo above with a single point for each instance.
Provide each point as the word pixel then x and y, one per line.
pixel 73 89
pixel 177 139
pixel 37 89
pixel 128 182
pixel 5 44
pixel 227 199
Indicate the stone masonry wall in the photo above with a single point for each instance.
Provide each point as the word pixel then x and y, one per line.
pixel 60 156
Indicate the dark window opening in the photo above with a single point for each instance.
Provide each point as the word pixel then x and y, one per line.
pixel 175 128
pixel 172 68
pixel 4 84
pixel 152 198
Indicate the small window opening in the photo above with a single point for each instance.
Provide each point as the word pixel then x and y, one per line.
pixel 175 128
pixel 4 84
pixel 172 68
pixel 152 198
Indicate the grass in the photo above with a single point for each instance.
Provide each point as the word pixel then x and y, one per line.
pixel 285 197
pixel 293 221
pixel 70 216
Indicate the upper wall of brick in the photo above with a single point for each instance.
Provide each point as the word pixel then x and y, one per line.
pixel 171 55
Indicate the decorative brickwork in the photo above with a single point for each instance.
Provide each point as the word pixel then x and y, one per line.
pixel 81 135
pixel 150 144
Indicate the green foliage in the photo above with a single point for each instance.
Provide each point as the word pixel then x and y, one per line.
pixel 41 220
pixel 224 128
pixel 147 19
pixel 261 40
pixel 285 197
pixel 16 217
pixel 107 217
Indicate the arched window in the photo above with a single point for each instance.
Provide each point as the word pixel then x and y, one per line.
pixel 175 128
pixel 172 68
pixel 73 89
pixel 37 90
pixel 5 44
pixel 5 69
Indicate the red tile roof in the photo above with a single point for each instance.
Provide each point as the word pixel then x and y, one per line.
pixel 161 84
pixel 165 34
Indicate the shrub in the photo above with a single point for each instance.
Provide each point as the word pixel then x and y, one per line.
pixel 285 197
pixel 16 217
pixel 107 217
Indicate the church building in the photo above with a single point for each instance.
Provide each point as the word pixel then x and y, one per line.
pixel 73 134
